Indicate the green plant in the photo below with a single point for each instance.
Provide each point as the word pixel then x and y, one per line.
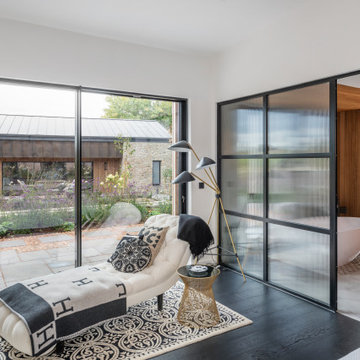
pixel 67 226
pixel 5 227
pixel 167 174
pixel 165 207
pixel 144 210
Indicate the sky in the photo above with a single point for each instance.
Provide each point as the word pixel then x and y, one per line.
pixel 31 100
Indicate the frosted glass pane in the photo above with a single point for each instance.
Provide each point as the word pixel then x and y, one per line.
pixel 299 260
pixel 242 127
pixel 248 239
pixel 242 184
pixel 299 191
pixel 299 120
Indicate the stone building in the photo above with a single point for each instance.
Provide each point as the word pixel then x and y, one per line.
pixel 45 145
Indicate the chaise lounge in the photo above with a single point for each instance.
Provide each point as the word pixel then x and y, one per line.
pixel 152 281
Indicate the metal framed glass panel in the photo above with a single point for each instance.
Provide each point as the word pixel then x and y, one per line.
pixel 299 260
pixel 37 174
pixel 249 244
pixel 299 190
pixel 279 193
pixel 298 120
pixel 242 127
pixel 44 169
pixel 132 167
pixel 243 185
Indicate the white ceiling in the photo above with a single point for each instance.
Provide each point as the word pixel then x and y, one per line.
pixel 200 26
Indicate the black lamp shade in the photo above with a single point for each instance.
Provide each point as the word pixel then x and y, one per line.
pixel 180 146
pixel 204 163
pixel 184 177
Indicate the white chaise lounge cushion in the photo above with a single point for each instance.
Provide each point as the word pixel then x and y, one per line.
pixel 152 281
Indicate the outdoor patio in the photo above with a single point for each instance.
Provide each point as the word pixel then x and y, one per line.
pixel 27 256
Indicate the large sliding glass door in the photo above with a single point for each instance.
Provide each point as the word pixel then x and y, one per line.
pixel 125 144
pixel 276 165
pixel 79 168
pixel 37 174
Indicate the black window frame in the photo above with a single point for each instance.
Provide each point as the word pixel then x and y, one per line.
pixel 158 174
pixel 182 132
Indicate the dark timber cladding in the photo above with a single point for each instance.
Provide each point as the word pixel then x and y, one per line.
pixel 50 137
pixel 44 150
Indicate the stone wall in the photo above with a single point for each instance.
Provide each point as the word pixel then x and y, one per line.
pixel 142 161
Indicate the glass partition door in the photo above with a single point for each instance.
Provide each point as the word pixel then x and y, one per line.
pixel 276 157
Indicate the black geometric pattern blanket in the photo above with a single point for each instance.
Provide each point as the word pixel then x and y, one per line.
pixel 58 306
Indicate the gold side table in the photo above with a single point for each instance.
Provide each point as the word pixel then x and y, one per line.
pixel 198 307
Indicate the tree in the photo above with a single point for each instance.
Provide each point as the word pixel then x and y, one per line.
pixel 120 107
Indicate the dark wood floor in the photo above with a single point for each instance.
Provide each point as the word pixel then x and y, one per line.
pixel 284 327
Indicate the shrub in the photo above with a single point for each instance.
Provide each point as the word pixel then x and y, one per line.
pixel 165 207
pixel 67 226
pixel 4 228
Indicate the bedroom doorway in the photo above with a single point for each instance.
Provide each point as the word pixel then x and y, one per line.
pixel 348 190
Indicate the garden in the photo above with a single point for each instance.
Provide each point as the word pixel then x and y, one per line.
pixel 40 207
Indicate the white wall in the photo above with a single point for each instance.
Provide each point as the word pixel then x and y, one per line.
pixel 317 40
pixel 32 52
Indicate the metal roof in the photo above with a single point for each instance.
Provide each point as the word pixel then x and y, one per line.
pixel 22 127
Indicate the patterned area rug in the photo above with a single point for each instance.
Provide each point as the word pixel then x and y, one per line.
pixel 142 333
pixel 351 267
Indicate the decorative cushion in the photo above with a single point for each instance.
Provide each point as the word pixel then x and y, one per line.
pixel 154 237
pixel 132 255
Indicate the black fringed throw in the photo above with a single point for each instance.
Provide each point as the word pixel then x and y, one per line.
pixel 196 232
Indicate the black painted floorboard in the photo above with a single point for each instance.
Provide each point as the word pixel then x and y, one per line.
pixel 284 327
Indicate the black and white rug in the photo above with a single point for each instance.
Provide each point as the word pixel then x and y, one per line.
pixel 142 333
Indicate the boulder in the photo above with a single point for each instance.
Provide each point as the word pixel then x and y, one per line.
pixel 123 213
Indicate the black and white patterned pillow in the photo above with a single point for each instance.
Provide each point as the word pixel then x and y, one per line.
pixel 132 255
pixel 154 237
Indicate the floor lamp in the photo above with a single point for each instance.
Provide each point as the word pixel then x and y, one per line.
pixel 205 164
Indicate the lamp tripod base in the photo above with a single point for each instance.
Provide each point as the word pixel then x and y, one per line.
pixel 225 252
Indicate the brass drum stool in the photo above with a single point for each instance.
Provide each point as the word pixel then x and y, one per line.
pixel 198 307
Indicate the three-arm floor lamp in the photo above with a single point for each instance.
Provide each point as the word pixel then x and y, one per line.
pixel 205 164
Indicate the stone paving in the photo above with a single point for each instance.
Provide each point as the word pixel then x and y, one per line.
pixel 27 256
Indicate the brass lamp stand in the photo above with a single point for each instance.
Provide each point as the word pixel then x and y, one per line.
pixel 204 164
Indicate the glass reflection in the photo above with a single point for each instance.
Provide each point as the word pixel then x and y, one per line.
pixel 299 260
pixel 299 120
pixel 242 181
pixel 248 238
pixel 299 191
pixel 242 127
